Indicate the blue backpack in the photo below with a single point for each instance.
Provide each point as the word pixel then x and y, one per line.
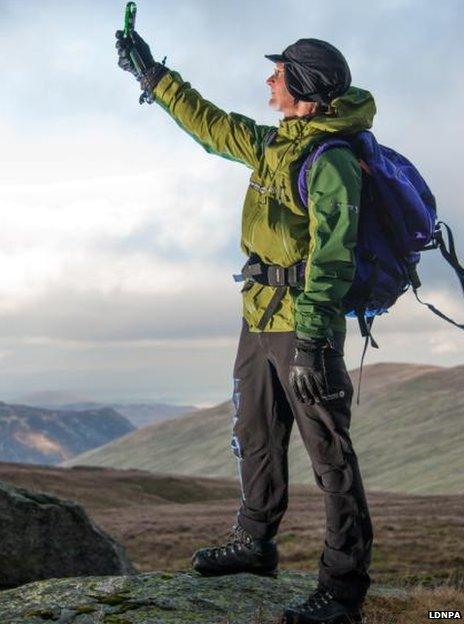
pixel 397 221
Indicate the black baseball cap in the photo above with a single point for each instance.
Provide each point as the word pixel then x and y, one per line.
pixel 314 70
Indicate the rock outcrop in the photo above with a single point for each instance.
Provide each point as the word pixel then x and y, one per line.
pixel 159 598
pixel 43 536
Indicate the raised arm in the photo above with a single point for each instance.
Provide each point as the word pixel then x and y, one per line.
pixel 229 135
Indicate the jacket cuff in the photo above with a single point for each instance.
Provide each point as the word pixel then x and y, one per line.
pixel 150 79
pixel 313 343
pixel 315 335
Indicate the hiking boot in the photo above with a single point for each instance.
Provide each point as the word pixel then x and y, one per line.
pixel 323 608
pixel 241 554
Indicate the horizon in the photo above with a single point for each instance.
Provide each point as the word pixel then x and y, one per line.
pixel 40 396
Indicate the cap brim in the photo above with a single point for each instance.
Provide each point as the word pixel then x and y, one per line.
pixel 275 58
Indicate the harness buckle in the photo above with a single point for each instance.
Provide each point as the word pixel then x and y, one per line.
pixel 276 275
pixel 292 276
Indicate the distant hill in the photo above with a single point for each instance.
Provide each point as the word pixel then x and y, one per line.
pixel 48 436
pixel 139 414
pixel 408 433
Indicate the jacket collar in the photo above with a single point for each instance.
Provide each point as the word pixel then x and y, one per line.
pixel 352 112
pixel 294 127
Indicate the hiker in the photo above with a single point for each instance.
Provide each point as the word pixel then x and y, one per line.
pixel 289 364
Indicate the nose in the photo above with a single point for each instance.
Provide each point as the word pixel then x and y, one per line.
pixel 270 80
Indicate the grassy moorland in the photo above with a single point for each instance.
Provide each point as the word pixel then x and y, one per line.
pixel 161 520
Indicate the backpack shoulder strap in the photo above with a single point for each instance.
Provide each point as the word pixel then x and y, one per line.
pixel 269 137
pixel 308 162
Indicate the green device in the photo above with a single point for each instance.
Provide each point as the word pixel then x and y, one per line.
pixel 129 18
pixel 129 27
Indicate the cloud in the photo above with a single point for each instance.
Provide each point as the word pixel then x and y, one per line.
pixel 136 231
pixel 178 311
pixel 119 233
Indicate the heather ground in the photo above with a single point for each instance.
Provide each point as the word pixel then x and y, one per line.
pixel 419 540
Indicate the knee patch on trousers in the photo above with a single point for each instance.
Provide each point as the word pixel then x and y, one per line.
pixel 334 479
pixel 331 465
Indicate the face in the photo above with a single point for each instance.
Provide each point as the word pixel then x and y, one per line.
pixel 281 99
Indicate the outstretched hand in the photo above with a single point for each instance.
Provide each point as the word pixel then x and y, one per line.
pixel 124 46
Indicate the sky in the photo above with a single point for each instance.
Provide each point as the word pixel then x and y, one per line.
pixel 120 235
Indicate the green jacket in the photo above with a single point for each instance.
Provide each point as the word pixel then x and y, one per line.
pixel 275 225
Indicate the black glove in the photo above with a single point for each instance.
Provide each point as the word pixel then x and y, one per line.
pixel 151 73
pixel 307 374
pixel 125 45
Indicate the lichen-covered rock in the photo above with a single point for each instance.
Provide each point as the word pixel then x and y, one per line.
pixel 42 536
pixel 156 598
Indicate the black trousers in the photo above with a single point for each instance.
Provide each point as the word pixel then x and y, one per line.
pixel 265 409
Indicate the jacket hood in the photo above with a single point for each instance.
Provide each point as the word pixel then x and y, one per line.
pixel 351 112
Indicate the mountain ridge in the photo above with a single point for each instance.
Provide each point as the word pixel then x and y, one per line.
pixel 140 413
pixel 39 435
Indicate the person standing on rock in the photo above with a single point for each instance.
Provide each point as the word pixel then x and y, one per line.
pixel 289 364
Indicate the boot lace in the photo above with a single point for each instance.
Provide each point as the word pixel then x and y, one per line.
pixel 236 539
pixel 318 599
